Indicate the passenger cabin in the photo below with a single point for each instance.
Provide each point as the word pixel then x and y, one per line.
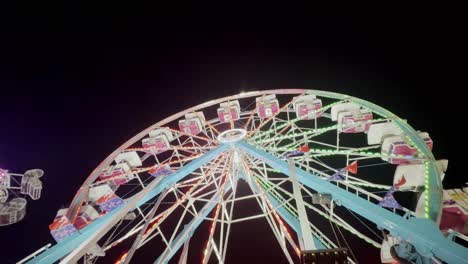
pixel 354 121
pixel 32 187
pixel 396 145
pixel 117 174
pixel 335 109
pixel 379 131
pixel 86 215
pixel 130 157
pixel 307 106
pixel 104 197
pixel 121 172
pixel 267 106
pixel 61 227
pixel 193 123
pixel 414 174
pixel 455 211
pixel 229 111
pixel 12 211
pixel 351 118
pixel 158 140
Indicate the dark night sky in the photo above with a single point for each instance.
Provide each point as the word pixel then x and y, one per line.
pixel 76 82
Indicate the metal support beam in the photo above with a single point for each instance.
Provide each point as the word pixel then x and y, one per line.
pixel 307 238
pixel 183 256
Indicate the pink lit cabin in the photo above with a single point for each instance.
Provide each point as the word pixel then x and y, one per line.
pixel 395 145
pixel 61 227
pixel 104 197
pixel 158 140
pixel 118 174
pixel 267 106
pixel 86 215
pixel 109 202
pixel 455 211
pixel 305 107
pixel 193 123
pixel 229 111
pixel 355 121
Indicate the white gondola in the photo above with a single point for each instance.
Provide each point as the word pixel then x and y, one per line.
pixel 267 106
pixel 455 211
pixel 396 145
pixel 61 227
pixel 117 174
pixel 30 183
pixel 354 121
pixel 415 174
pixel 131 158
pixel 158 140
pixel 307 106
pixel 342 107
pixel 193 123
pixel 12 211
pixel 229 111
pixel 104 197
pixel 378 132
pixel 32 187
pixel 86 215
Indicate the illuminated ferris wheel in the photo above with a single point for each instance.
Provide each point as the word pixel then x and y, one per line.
pixel 299 154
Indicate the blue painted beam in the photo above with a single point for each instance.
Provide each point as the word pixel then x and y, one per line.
pixel 422 233
pixel 67 245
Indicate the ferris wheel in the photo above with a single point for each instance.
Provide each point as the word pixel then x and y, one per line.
pixel 299 154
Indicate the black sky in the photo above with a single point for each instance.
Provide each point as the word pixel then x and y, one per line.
pixel 77 81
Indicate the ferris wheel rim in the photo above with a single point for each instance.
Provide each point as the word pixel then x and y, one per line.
pixel 434 177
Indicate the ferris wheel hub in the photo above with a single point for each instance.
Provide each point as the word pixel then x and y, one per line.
pixel 232 135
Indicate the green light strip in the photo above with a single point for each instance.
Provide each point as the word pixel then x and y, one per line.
pixel 331 152
pixel 426 186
